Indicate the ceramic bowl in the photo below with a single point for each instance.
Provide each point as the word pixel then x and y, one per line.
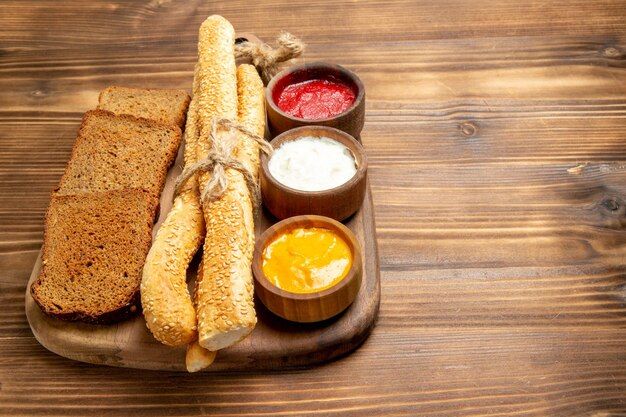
pixel 350 121
pixel 310 307
pixel 338 203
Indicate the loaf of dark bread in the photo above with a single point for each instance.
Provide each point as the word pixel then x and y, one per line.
pixel 120 151
pixel 166 106
pixel 94 249
pixel 98 227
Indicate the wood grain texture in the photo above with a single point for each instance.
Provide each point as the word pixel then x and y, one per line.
pixel 496 135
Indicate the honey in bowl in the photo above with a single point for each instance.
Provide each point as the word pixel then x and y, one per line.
pixel 306 260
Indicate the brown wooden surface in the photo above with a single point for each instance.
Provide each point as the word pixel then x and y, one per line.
pixel 496 135
pixel 274 344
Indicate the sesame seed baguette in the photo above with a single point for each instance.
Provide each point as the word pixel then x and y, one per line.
pixel 217 89
pixel 167 305
pixel 225 305
pixel 192 131
pixel 251 114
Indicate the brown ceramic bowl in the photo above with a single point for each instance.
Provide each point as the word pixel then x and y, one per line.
pixel 310 307
pixel 338 203
pixel 350 121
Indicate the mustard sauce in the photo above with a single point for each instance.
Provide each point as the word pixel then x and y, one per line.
pixel 306 260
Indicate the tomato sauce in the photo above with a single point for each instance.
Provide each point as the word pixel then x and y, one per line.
pixel 315 99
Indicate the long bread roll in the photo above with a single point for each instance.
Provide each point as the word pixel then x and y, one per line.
pixel 198 358
pixel 225 305
pixel 167 305
pixel 251 114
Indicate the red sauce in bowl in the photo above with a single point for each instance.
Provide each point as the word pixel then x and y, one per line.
pixel 315 99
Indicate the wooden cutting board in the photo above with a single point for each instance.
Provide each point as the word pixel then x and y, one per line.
pixel 274 343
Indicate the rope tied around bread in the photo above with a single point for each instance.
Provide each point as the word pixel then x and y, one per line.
pixel 221 158
pixel 265 58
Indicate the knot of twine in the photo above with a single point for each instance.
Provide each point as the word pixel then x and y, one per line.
pixel 221 158
pixel 266 59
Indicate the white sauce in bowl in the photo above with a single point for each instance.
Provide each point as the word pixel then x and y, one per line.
pixel 312 164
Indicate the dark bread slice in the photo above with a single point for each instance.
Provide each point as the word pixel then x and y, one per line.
pixel 94 249
pixel 166 106
pixel 119 151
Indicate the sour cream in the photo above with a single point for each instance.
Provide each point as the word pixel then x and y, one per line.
pixel 312 164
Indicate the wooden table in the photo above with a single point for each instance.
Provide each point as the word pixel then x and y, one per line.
pixel 496 133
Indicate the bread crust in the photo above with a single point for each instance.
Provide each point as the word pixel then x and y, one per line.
pixel 169 153
pixel 251 114
pixel 165 298
pixel 198 358
pixel 176 106
pixel 167 304
pixel 131 305
pixel 225 297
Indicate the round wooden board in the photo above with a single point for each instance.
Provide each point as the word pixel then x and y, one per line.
pixel 274 344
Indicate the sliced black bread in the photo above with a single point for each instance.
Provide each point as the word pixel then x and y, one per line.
pixel 94 249
pixel 119 151
pixel 166 106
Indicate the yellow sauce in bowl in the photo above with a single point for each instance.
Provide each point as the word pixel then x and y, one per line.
pixel 306 260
